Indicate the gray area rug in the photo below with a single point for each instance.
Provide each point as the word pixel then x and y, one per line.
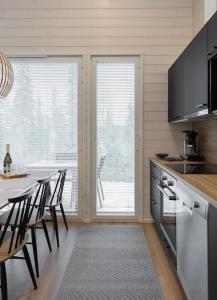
pixel 110 262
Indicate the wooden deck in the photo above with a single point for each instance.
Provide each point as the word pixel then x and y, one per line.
pixel 118 198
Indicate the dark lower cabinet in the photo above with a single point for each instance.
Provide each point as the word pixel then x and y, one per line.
pixel 155 171
pixel 156 209
pixel 155 193
pixel 155 202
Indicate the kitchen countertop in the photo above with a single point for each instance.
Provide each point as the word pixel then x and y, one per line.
pixel 204 184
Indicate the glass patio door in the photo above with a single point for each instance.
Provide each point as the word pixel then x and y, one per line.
pixel 40 119
pixel 115 98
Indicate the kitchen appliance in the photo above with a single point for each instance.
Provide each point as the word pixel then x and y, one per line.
pixel 192 249
pixel 167 188
pixel 194 168
pixel 190 145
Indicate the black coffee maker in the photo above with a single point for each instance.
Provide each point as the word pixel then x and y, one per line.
pixel 190 146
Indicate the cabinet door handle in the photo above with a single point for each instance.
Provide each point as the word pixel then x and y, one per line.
pixel 201 105
pixel 153 202
pixel 210 53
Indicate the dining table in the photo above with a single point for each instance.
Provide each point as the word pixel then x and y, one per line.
pixel 13 187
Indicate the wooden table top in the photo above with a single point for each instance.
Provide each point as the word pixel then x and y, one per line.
pixel 12 187
pixel 205 184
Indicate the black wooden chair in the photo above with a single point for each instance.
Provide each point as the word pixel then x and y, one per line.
pixel 37 216
pixel 100 191
pixel 15 240
pixel 55 200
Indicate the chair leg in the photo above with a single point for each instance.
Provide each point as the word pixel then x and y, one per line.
pixel 56 226
pixel 46 234
pixel 4 282
pixel 34 248
pixel 100 184
pixel 52 216
pixel 29 265
pixel 64 217
pixel 99 194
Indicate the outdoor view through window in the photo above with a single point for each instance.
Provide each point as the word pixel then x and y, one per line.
pixel 115 102
pixel 39 118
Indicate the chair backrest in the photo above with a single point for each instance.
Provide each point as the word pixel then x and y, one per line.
pixel 39 201
pixel 58 190
pixel 20 211
pixel 100 166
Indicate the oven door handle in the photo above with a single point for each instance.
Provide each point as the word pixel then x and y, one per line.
pixel 162 190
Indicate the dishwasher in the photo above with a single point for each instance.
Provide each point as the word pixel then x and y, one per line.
pixel 192 242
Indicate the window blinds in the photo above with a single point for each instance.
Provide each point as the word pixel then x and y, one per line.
pixel 115 101
pixel 39 117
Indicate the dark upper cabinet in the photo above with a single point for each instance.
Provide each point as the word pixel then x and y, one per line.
pixel 212 34
pixel 188 81
pixel 196 74
pixel 176 89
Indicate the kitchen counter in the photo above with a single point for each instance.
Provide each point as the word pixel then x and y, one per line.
pixel 204 184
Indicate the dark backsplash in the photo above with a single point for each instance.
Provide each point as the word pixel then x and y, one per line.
pixel 207 139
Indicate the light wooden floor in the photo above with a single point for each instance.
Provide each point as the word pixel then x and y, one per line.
pixel 168 281
pixel 52 266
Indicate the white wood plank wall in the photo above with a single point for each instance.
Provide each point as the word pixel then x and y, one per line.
pixel 158 28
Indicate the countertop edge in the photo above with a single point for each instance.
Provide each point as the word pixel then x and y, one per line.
pixel 184 181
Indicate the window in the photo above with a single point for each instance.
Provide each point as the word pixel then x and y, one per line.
pixel 115 128
pixel 39 118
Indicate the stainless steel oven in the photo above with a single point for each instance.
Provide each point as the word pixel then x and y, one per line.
pixel 167 189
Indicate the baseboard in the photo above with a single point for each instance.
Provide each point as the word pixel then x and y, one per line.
pixel 148 220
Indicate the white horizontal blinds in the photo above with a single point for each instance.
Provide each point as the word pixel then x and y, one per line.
pixel 39 117
pixel 115 102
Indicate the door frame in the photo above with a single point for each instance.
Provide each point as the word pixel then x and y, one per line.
pixel 138 58
pixel 79 59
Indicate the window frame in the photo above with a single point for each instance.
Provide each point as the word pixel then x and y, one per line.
pixel 80 122
pixel 138 216
pixel 85 138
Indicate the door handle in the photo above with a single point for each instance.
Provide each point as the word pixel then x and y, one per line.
pixel 162 190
